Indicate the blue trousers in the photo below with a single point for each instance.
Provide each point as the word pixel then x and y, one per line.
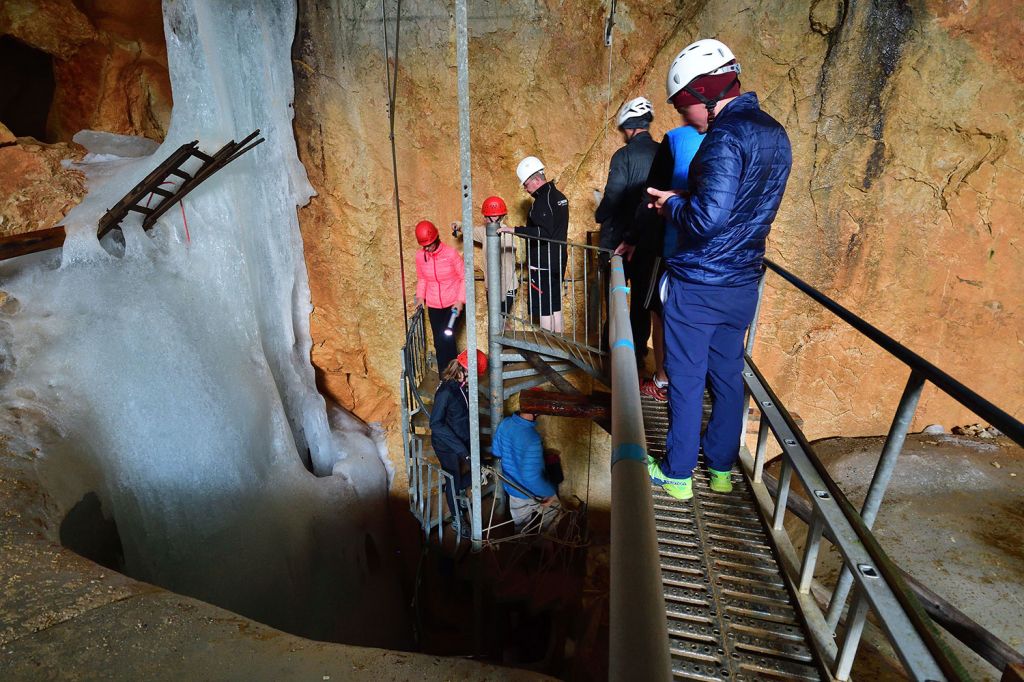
pixel 704 329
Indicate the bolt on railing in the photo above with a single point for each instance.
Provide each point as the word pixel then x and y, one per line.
pixel 638 627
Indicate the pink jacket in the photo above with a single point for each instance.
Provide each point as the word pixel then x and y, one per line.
pixel 439 277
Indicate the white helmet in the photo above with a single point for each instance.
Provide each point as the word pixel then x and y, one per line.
pixel 706 57
pixel 527 167
pixel 634 108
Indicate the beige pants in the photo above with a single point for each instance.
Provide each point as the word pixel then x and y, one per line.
pixel 523 509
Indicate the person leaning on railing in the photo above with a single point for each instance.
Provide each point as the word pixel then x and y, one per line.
pixel 548 218
pixel 495 211
pixel 441 288
pixel 736 183
pixel 521 450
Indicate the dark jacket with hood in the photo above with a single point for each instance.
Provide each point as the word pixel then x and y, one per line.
pixel 625 189
pixel 449 420
pixel 736 184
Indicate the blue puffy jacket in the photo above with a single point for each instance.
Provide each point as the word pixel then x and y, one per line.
pixel 736 184
pixel 518 444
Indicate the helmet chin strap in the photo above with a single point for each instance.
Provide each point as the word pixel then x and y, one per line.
pixel 710 104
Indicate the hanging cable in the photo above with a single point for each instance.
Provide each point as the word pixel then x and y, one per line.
pixel 392 92
pixel 609 25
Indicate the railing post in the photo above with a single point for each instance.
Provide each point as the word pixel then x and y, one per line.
pixel 749 350
pixel 495 326
pixel 462 59
pixel 638 631
pixel 880 481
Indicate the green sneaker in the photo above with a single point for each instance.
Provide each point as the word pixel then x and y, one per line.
pixel 679 488
pixel 721 481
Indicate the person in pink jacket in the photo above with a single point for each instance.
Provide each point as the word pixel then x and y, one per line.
pixel 441 288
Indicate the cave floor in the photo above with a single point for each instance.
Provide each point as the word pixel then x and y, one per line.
pixel 953 517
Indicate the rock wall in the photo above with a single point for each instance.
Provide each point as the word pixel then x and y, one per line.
pixel 904 203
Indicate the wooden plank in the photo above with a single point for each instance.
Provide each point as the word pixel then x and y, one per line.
pixel 595 406
pixel 25 243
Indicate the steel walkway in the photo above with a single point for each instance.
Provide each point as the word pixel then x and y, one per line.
pixel 730 615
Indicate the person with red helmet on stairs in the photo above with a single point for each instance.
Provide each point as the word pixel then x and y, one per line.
pixel 441 289
pixel 449 427
pixel 494 211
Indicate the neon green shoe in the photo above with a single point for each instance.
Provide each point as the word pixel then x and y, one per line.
pixel 721 481
pixel 679 488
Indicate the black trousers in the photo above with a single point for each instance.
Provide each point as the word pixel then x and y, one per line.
pixel 444 346
pixel 637 273
pixel 452 463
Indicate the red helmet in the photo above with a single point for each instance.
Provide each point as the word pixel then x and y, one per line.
pixel 494 207
pixel 481 360
pixel 426 233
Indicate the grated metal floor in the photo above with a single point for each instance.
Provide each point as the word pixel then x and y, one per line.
pixel 730 615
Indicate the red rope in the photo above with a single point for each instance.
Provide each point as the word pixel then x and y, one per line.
pixel 188 238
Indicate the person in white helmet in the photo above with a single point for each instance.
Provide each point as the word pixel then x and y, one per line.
pixel 623 193
pixel 720 220
pixel 546 258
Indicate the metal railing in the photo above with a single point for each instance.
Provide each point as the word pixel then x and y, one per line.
pixel 905 610
pixel 414 361
pixel 638 629
pixel 552 275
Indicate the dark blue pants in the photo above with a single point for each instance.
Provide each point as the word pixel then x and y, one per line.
pixel 704 329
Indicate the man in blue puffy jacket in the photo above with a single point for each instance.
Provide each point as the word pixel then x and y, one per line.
pixel 519 446
pixel 736 183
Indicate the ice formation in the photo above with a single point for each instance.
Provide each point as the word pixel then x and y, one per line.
pixel 170 371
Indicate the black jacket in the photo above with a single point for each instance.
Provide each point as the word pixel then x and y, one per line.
pixel 548 218
pixel 625 189
pixel 449 420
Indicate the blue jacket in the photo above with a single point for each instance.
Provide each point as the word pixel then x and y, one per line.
pixel 736 184
pixel 522 457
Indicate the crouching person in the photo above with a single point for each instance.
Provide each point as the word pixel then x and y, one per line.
pixel 519 446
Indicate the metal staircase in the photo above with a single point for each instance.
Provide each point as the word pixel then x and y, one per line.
pixel 716 588
pixel 730 613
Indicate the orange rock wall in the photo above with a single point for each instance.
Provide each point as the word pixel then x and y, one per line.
pixel 905 202
pixel 110 72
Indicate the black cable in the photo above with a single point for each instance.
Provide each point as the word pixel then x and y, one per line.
pixel 392 85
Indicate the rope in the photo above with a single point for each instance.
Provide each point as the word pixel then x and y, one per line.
pixel 392 92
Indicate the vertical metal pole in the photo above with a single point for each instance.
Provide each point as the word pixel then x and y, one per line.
pixel 462 57
pixel 879 482
pixel 638 634
pixel 495 324
pixel 851 638
pixel 749 349
pixel 785 477
pixel 762 446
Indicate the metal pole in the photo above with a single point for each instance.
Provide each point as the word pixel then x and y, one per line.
pixel 495 325
pixel 749 349
pixel 879 482
pixel 638 632
pixel 462 57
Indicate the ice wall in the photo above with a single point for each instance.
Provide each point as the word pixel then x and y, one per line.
pixel 170 372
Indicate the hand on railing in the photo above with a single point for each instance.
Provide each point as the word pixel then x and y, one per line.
pixel 625 250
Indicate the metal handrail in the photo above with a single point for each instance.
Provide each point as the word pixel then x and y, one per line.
pixel 922 617
pixel 638 627
pixel 580 293
pixel 989 412
pixel 923 655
